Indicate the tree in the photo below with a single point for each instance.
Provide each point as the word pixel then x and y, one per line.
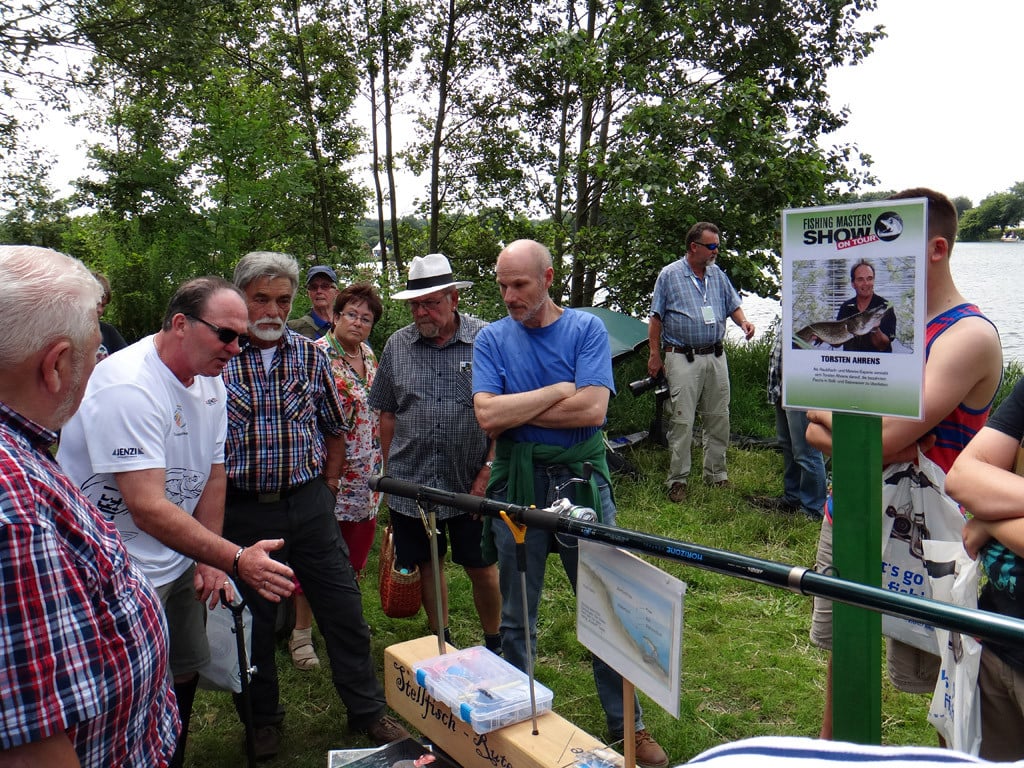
pixel 649 118
pixel 228 132
pixel 999 210
pixel 386 51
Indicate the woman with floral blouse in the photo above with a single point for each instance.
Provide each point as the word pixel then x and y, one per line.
pixel 356 309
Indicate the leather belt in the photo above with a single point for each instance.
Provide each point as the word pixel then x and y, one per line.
pixel 263 497
pixel 708 350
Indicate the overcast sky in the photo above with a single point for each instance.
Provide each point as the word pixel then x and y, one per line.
pixel 937 104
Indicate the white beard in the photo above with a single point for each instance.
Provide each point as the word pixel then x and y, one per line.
pixel 268 334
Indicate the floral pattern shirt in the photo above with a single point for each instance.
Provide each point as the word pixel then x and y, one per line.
pixel 363 455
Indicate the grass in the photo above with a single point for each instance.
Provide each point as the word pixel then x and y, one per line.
pixel 748 667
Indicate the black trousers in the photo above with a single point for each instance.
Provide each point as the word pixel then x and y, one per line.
pixel 315 550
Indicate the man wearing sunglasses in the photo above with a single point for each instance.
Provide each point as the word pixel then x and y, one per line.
pixel 692 300
pixel 147 448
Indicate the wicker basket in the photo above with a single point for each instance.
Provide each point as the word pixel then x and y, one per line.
pixel 399 592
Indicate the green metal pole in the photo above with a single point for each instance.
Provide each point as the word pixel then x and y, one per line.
pixel 857 556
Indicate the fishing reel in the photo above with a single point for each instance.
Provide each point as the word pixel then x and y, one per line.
pixel 566 508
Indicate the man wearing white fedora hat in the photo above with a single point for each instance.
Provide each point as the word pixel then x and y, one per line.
pixel 429 435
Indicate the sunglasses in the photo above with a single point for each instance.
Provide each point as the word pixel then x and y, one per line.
pixel 709 246
pixel 224 335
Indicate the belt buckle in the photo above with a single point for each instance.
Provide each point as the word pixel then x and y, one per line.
pixel 268 498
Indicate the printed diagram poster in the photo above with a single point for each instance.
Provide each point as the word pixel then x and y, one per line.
pixel 630 613
pixel 853 307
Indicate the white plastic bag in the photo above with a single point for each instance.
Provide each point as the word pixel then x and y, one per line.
pixel 915 509
pixel 221 672
pixel 956 709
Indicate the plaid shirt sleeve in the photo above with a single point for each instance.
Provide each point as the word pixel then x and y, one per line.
pixel 83 646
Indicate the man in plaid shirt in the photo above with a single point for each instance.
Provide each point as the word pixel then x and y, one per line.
pixel 284 454
pixel 83 644
pixel 429 435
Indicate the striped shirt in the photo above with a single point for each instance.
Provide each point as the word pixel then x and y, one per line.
pixel 277 419
pixel 955 431
pixel 796 752
pixel 437 440
pixel 83 642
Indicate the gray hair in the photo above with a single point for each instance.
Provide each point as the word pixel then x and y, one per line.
pixel 47 296
pixel 270 264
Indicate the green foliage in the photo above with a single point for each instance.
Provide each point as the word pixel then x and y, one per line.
pixel 1012 374
pixel 996 212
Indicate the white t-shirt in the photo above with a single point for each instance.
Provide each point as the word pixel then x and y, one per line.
pixel 136 415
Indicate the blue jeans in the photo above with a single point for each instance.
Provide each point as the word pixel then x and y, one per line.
pixel 803 478
pixel 539 544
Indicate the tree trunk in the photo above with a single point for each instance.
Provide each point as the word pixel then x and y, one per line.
pixel 311 130
pixel 444 72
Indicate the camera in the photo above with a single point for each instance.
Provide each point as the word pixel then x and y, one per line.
pixel 657 383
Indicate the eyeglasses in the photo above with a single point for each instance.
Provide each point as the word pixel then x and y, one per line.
pixel 224 335
pixel 709 246
pixel 354 317
pixel 430 306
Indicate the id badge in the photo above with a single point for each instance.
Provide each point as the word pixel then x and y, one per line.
pixel 709 314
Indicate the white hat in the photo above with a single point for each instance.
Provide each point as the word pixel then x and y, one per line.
pixel 428 274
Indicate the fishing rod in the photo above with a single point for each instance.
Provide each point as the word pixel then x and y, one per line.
pixel 581 522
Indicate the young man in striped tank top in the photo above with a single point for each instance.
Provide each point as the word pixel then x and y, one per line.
pixel 963 368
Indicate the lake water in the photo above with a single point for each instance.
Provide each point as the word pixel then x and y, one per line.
pixel 989 274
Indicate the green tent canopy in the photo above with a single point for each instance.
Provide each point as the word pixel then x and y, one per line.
pixel 625 333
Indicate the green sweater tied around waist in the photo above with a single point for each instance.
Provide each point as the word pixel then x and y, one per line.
pixel 514 463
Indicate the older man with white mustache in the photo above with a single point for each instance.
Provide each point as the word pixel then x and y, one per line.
pixel 284 453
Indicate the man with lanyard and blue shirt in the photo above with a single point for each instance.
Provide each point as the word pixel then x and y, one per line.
pixel 541 381
pixel 692 299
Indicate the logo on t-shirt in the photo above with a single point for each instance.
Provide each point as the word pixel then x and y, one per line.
pixel 123 453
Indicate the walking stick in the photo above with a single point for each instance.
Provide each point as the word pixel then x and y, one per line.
pixel 243 674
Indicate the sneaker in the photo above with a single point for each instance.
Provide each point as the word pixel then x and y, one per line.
pixel 384 730
pixel 677 493
pixel 720 484
pixel 649 753
pixel 267 742
pixel 774 503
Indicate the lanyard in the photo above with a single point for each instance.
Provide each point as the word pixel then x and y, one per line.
pixel 701 286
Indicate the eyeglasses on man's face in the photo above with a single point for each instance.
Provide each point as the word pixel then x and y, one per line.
pixel 224 335
pixel 430 305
